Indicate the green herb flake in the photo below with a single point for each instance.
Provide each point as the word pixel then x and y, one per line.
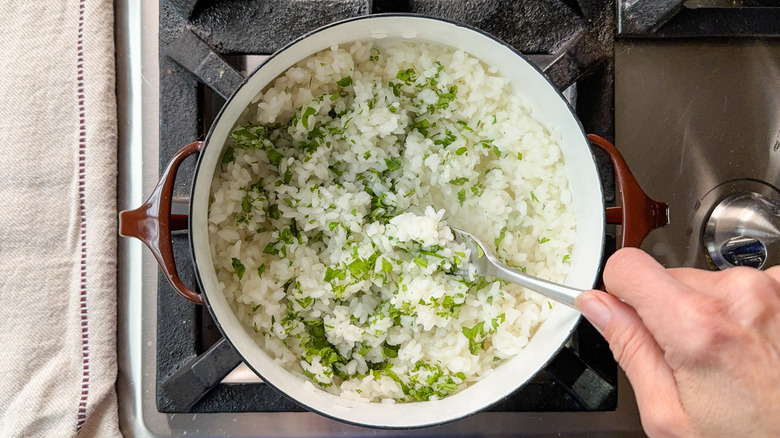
pixel 406 76
pixel 228 156
pixel 421 261
pixel 500 238
pixel 446 98
pixel 305 119
pixel 392 164
pixel 274 156
pixel 271 249
pixel 494 119
pixel 387 267
pixel 534 197
pixel 346 81
pixel 462 196
pixel 461 150
pixel 254 309
pixel 421 126
pixel 396 88
pixel 273 211
pixel 459 181
pixel 543 240
pixel 464 126
pixel 260 270
pixel 333 225
pixel 246 204
pixel 331 274
pixel 566 258
pixel 519 155
pixel 238 267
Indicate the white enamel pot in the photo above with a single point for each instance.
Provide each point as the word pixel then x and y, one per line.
pixel 153 222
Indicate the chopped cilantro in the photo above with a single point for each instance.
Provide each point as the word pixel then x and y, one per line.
pixel 543 240
pixel 449 137
pixel 305 119
pixel 406 76
pixel 500 238
pixel 421 126
pixel 273 211
pixel 461 150
pixel 238 267
pixel 459 181
pixel 462 196
pixel 345 81
pixel 421 261
pixel 260 270
pixel 393 164
pixel 464 126
pixel 446 98
pixel 331 274
pixel 228 156
pixel 274 156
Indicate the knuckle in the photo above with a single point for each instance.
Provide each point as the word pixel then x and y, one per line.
pixel 623 260
pixel 752 297
pixel 702 334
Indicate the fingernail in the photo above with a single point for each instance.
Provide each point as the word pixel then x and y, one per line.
pixel 594 310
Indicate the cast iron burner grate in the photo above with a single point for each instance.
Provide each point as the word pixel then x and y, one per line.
pixel 202 45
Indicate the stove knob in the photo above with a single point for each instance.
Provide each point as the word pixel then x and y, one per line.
pixel 744 251
pixel 743 230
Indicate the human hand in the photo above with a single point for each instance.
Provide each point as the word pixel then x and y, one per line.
pixel 701 348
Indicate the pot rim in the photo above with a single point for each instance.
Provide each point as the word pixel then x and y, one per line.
pixel 197 174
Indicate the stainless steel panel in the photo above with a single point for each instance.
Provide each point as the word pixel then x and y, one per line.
pixel 697 120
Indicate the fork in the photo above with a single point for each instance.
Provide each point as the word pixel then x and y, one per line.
pixel 488 265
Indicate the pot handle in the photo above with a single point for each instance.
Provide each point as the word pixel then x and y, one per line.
pixel 153 222
pixel 637 213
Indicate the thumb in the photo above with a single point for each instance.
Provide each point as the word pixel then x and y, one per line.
pixel 638 353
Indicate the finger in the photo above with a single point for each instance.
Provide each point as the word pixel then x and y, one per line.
pixel 641 358
pixel 662 302
pixel 774 273
pixel 699 279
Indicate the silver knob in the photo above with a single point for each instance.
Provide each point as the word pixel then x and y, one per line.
pixel 744 230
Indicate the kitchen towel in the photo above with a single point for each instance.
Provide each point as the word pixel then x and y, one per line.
pixel 57 219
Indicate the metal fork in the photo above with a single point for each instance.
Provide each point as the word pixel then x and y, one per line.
pixel 487 264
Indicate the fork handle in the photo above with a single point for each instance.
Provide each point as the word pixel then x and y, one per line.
pixel 558 292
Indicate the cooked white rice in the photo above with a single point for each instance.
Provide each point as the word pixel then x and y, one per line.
pixel 329 220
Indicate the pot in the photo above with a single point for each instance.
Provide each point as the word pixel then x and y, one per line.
pixel 153 222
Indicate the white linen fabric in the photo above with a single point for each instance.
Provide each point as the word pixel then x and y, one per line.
pixel 57 219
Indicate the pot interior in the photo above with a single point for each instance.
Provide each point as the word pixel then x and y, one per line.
pixel 549 107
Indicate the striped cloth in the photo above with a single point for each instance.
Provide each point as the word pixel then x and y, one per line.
pixel 57 219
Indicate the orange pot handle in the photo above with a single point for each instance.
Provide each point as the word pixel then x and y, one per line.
pixel 638 213
pixel 153 222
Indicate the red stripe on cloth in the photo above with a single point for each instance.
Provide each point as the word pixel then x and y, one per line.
pixel 82 159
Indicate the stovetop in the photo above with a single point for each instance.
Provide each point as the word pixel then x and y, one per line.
pixel 179 59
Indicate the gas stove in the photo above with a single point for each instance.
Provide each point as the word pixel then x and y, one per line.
pixel 179 59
